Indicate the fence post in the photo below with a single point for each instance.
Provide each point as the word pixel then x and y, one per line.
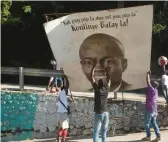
pixel 21 78
pixel 115 95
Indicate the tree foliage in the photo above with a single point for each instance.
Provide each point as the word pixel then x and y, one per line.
pixel 5 7
pixel 27 8
pixel 5 11
pixel 157 28
pixel 6 16
pixel 160 17
pixel 22 26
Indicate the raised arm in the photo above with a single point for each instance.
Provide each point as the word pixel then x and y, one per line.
pixel 164 69
pixel 68 90
pixel 93 70
pixel 71 95
pixel 148 78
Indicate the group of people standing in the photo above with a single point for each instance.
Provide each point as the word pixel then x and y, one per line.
pixel 101 115
pixel 63 110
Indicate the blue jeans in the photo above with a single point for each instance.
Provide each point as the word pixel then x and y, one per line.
pixel 101 121
pixel 56 80
pixel 150 118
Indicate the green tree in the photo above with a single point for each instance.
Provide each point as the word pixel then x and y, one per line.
pixel 6 17
pixel 5 7
pixel 160 16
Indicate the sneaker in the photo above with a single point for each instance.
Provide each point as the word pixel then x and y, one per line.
pixel 157 139
pixel 146 139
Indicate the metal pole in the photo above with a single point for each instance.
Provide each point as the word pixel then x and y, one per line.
pixel 21 78
pixel 120 4
pixel 115 95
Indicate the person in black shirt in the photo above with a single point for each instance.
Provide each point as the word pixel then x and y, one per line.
pixel 101 116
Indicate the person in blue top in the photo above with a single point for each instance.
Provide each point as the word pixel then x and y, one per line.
pixel 54 81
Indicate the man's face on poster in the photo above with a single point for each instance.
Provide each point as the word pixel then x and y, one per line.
pixel 110 55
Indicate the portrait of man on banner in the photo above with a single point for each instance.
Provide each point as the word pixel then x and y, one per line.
pixel 111 60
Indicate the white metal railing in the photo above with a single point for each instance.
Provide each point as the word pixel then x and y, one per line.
pixel 21 71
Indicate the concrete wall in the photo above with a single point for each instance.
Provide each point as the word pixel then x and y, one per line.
pixel 26 111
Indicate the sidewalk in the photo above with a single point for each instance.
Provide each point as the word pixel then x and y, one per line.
pixel 132 137
pixel 42 90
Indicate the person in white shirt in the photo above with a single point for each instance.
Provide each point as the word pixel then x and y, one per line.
pixel 165 85
pixel 62 116
pixel 62 112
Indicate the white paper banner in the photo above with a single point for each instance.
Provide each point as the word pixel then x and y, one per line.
pixel 120 39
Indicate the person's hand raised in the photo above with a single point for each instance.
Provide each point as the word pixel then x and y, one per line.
pixel 95 61
pixel 149 72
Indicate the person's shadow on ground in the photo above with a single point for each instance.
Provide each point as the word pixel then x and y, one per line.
pixel 76 140
pixel 133 141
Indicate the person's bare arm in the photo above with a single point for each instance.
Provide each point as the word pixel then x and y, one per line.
pixel 148 79
pixel 92 75
pixel 71 95
pixel 68 90
pixel 164 68
pixel 93 70
pixel 109 83
pixel 67 84
pixel 73 99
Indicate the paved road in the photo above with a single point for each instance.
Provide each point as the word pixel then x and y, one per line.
pixel 132 137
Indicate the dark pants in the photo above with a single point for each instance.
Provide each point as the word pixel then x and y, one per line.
pixel 165 92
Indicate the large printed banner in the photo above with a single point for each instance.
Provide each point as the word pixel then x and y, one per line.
pixel 120 39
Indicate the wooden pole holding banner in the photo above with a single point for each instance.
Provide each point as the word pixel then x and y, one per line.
pixel 47 16
pixel 120 4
